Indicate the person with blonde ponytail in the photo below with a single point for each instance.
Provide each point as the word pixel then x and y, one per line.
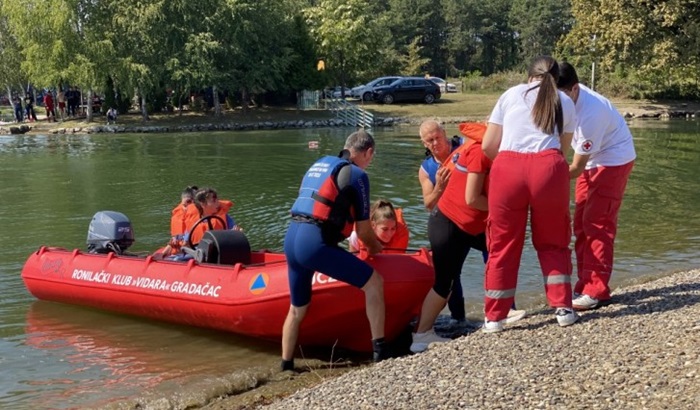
pixel 528 134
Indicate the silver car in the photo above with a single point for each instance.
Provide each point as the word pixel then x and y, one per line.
pixel 365 91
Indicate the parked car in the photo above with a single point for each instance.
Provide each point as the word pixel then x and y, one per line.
pixel 365 91
pixel 408 89
pixel 445 87
pixel 338 92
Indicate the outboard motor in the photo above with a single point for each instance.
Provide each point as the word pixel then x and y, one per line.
pixel 109 231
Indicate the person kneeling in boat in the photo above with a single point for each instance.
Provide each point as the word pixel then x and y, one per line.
pixel 334 193
pixel 178 222
pixel 207 203
pixel 204 203
pixel 388 226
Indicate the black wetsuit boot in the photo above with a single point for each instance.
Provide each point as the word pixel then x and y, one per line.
pixel 380 350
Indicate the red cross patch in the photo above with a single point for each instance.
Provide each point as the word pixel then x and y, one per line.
pixel 587 145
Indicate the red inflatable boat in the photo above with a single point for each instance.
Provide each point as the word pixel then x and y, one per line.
pixel 249 298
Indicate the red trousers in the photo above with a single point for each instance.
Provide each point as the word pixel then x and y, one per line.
pixel 599 194
pixel 538 183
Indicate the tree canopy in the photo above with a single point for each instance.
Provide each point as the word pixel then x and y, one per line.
pixel 258 47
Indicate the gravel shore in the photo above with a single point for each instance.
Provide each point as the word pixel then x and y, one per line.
pixel 640 352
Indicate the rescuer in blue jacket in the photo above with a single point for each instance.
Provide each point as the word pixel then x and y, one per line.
pixel 334 196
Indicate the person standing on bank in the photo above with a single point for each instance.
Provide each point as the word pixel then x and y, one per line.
pixel 603 159
pixel 433 178
pixel 334 195
pixel 529 131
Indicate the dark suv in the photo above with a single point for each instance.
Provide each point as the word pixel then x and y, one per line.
pixel 408 89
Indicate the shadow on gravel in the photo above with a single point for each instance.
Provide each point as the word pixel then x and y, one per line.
pixel 644 302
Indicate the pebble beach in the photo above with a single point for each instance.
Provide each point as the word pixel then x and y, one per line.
pixel 642 351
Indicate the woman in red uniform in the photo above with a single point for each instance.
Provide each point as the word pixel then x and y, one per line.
pixel 528 133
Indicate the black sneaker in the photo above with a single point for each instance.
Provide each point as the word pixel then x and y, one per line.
pixel 381 354
pixel 287 365
pixel 380 349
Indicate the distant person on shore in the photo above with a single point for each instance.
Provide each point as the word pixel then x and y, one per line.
pixel 49 106
pixel 334 194
pixel 17 105
pixel 528 133
pixel 29 107
pixel 61 99
pixel 603 159
pixel 73 100
pixel 111 116
pixel 388 226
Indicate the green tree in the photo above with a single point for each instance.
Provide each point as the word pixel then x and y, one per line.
pixel 349 35
pixel 422 19
pixel 413 63
pixel 539 25
pixel 479 35
pixel 655 41
pixel 11 75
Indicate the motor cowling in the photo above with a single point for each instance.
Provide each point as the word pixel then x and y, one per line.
pixel 109 231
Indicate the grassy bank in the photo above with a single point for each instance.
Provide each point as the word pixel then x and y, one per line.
pixel 466 106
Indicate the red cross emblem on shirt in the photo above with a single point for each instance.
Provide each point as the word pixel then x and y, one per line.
pixel 587 145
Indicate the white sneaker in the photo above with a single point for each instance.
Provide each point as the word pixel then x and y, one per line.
pixel 566 316
pixel 492 327
pixel 514 315
pixel 585 302
pixel 421 341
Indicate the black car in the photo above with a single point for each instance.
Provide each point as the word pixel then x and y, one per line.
pixel 408 89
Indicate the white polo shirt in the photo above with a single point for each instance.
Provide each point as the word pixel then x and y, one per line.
pixel 601 132
pixel 513 112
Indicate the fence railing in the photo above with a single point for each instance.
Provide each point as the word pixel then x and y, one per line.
pixel 351 114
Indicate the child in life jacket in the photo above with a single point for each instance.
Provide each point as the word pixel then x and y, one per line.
pixel 194 204
pixel 389 227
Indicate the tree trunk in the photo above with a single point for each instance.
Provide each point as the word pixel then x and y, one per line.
pixel 144 109
pixel 88 106
pixel 244 99
pixel 179 100
pixel 217 104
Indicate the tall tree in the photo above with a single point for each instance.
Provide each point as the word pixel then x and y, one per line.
pixel 413 63
pixel 349 35
pixel 10 63
pixel 422 19
pixel 539 25
pixel 479 35
pixel 658 40
pixel 58 42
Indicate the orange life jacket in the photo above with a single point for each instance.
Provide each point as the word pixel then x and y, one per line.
pixel 177 220
pixel 192 216
pixel 398 242
pixel 474 131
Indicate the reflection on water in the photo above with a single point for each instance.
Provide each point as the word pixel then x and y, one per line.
pixel 87 362
pixel 56 356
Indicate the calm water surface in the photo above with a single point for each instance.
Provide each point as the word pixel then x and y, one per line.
pixel 59 356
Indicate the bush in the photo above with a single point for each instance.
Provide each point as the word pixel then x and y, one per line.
pixel 497 82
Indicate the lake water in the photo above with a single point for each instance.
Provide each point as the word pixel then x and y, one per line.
pixel 60 356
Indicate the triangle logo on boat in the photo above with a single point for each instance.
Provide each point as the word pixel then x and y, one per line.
pixel 258 283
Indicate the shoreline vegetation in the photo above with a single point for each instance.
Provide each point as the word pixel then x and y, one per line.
pixel 451 109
